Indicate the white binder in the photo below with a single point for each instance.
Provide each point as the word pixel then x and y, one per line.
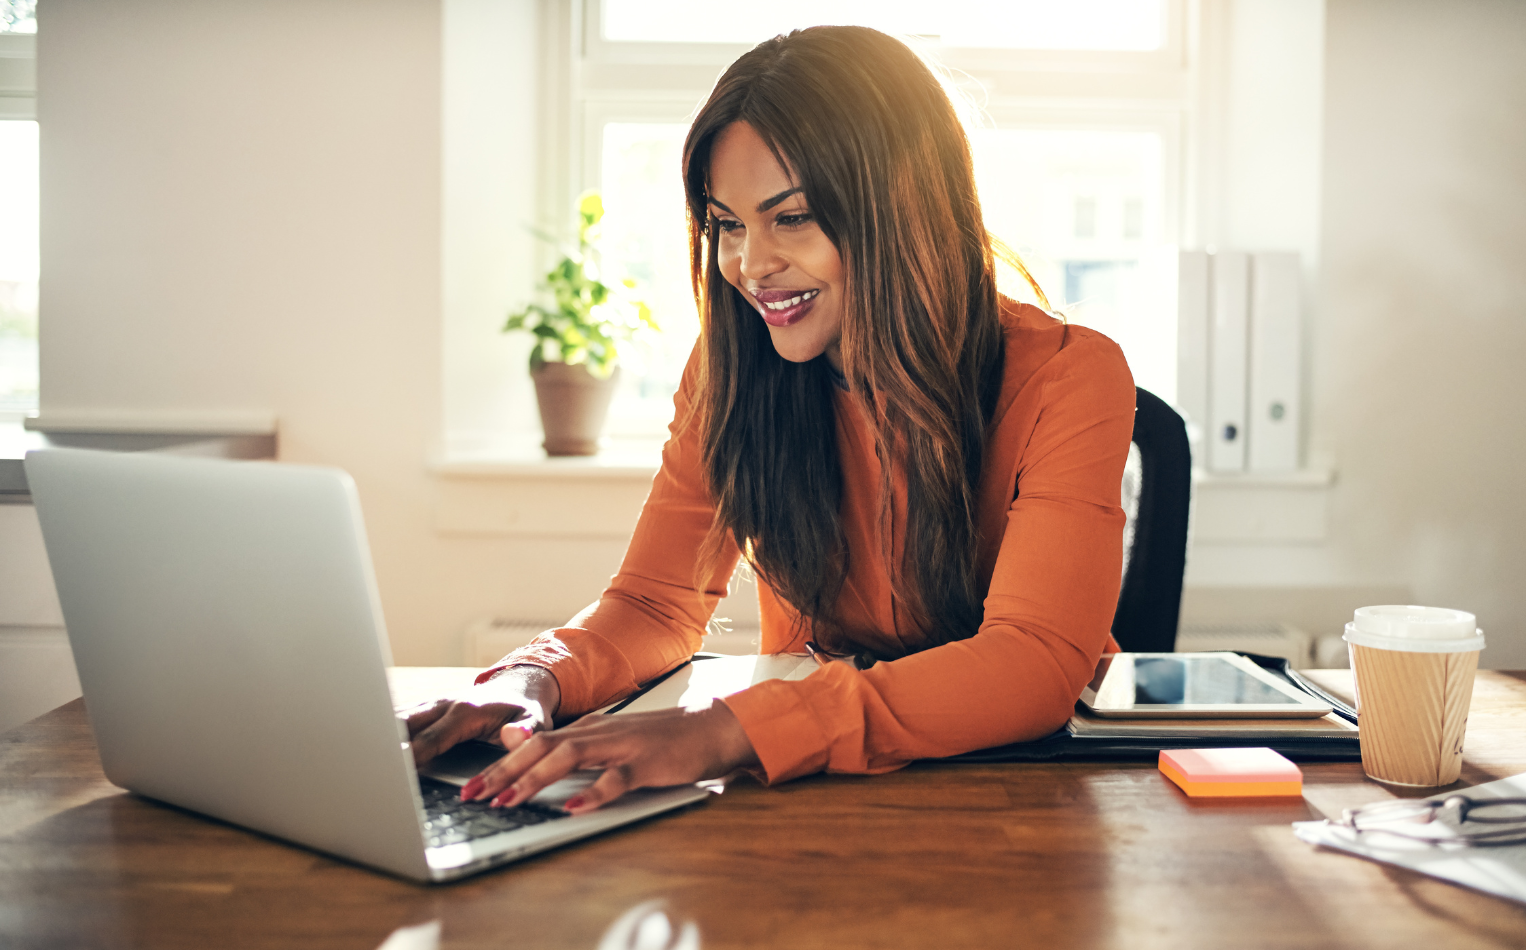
pixel 1272 419
pixel 1227 341
pixel 1192 307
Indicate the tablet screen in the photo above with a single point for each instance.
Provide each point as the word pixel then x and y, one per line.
pixel 1199 680
pixel 1184 685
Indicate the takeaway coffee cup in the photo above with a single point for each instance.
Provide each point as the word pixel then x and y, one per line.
pixel 1414 671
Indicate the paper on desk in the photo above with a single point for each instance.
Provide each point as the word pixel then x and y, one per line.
pixel 420 937
pixel 1497 870
pixel 713 677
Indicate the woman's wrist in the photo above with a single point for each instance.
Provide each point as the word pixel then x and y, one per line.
pixel 535 683
pixel 735 747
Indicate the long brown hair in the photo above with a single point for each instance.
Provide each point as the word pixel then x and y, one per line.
pixel 885 166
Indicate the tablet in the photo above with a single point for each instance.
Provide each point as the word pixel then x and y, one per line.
pixel 1193 686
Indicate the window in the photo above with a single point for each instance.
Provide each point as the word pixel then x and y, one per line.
pixel 645 229
pixel 18 16
pixel 1085 208
pixel 18 209
pixel 1078 114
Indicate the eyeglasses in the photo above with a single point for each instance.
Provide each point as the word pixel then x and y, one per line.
pixel 1493 821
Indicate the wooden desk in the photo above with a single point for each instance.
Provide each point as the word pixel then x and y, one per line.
pixel 1057 856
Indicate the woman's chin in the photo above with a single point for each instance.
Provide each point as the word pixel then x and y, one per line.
pixel 796 350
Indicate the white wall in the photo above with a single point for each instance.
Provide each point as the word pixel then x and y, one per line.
pixel 241 212
pixel 1262 126
pixel 1420 341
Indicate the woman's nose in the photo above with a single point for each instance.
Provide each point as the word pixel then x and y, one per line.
pixel 760 258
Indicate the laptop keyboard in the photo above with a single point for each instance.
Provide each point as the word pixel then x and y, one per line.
pixel 449 820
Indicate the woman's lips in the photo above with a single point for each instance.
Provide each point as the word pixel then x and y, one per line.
pixel 780 308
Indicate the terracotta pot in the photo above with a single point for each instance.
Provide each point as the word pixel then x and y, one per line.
pixel 573 404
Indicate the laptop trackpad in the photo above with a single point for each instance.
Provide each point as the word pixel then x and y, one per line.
pixel 459 764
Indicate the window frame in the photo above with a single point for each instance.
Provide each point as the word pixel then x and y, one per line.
pixel 597 49
pixel 18 76
pixel 18 102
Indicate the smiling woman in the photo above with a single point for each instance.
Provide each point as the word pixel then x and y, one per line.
pixel 773 251
pixel 923 474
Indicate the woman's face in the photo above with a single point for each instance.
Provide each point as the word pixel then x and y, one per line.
pixel 770 247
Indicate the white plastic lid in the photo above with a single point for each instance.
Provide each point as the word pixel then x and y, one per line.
pixel 1415 629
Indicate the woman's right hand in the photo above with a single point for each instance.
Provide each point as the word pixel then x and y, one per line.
pixel 522 696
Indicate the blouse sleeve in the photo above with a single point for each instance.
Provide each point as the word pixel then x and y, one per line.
pixel 651 618
pixel 1047 613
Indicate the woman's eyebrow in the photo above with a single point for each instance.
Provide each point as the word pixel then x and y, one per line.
pixel 767 203
pixel 763 205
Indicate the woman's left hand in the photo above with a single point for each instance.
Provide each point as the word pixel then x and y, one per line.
pixel 635 750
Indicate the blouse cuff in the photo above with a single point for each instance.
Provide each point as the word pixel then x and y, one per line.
pixel 785 733
pixel 582 688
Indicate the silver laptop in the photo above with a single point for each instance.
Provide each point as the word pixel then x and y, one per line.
pixel 229 639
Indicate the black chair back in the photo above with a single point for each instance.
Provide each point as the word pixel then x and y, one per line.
pixel 1149 605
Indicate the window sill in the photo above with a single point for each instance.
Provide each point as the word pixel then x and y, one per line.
pixel 635 461
pixel 519 492
pixel 514 490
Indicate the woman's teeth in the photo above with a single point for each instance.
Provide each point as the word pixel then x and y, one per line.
pixel 793 301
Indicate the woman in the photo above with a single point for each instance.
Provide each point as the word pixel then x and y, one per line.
pixel 850 315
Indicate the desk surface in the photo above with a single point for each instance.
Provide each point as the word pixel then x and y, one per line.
pixel 1061 855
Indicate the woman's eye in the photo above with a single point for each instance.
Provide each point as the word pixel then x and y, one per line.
pixel 725 226
pixel 795 219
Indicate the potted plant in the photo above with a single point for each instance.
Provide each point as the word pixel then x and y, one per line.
pixel 578 335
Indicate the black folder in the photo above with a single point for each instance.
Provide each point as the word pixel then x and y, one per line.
pixel 1062 745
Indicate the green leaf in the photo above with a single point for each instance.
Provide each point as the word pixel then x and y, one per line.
pixel 591 206
pixel 584 319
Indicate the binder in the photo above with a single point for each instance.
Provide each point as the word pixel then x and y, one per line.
pixel 1272 420
pixel 1227 361
pixel 1192 308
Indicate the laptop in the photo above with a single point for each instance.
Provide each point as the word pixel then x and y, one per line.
pixel 229 639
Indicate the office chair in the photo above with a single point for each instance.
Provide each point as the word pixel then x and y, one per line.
pixel 1155 540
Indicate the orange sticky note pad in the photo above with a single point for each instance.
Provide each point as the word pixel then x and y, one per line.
pixel 1226 773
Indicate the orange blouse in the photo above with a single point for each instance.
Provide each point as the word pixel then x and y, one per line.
pixel 1050 535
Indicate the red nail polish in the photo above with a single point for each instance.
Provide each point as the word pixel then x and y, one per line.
pixel 470 789
pixel 573 803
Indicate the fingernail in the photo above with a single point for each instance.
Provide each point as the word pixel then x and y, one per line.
pixel 573 803
pixel 470 789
